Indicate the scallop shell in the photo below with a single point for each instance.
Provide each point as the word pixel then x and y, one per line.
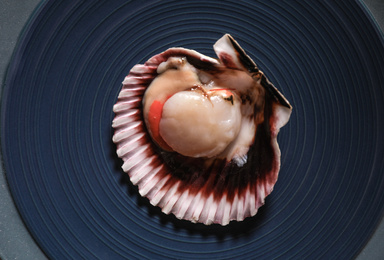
pixel 196 189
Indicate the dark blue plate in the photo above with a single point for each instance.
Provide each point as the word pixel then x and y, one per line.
pixel 327 57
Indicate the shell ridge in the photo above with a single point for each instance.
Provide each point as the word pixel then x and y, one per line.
pixel 155 188
pixel 182 204
pixel 144 189
pixel 132 144
pixel 169 200
pixel 142 170
pixel 137 158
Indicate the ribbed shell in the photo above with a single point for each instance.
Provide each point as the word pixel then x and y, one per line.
pixel 197 190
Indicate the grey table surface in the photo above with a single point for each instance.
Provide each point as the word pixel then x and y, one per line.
pixel 15 241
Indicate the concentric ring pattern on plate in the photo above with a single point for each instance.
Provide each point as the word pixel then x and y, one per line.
pixel 327 58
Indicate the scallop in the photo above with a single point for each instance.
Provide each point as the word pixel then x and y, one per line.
pixel 198 135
